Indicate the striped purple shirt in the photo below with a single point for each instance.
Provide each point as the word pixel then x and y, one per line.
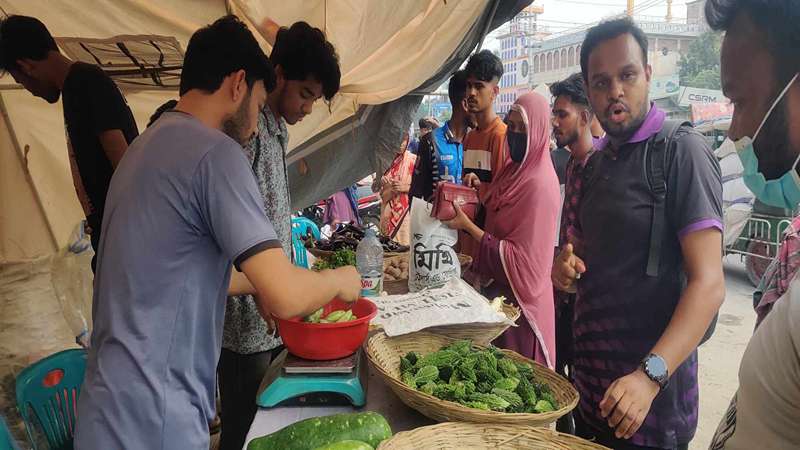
pixel 621 312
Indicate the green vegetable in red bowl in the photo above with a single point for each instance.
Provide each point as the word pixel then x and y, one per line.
pixel 338 316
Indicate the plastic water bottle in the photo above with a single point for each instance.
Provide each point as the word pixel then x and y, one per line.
pixel 369 262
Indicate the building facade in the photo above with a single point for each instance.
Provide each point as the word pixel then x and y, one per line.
pixel 696 14
pixel 516 45
pixel 533 59
pixel 560 57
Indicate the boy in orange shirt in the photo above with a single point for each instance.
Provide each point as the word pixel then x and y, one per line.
pixel 484 150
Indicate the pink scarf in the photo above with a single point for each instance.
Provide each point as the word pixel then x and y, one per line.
pixel 522 212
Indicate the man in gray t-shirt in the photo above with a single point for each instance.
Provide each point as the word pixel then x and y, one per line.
pixel 183 207
pixel 247 346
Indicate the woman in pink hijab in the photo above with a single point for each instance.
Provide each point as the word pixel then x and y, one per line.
pixel 516 248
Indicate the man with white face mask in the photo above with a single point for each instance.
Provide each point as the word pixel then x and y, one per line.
pixel 766 95
pixel 783 192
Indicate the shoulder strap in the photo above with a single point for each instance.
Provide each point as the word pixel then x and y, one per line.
pixel 658 153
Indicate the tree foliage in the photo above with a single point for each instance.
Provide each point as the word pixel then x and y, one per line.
pixel 699 66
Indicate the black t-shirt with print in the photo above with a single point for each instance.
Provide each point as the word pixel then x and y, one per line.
pixel 93 104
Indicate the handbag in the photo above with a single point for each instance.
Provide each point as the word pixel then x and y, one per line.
pixel 448 194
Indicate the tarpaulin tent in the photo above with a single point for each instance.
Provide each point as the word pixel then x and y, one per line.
pixel 391 52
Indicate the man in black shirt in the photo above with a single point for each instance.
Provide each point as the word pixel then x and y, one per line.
pixel 99 122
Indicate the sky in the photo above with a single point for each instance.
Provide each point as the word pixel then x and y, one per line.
pixel 562 15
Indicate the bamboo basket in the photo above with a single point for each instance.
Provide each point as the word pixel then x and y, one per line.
pixel 478 333
pixel 474 436
pixel 384 353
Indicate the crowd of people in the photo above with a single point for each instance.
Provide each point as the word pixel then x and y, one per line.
pixel 637 280
pixel 202 189
pixel 618 272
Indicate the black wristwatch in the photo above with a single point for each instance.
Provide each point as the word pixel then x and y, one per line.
pixel 656 369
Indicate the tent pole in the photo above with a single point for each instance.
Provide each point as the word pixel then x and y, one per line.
pixel 488 24
pixel 23 161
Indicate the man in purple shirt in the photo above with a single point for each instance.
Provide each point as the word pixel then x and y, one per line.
pixel 572 120
pixel 635 331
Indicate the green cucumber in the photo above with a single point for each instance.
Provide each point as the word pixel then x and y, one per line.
pixel 310 434
pixel 315 316
pixel 347 445
pixel 346 317
pixel 335 315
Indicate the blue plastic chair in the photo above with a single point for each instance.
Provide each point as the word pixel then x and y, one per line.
pixel 7 442
pixel 301 227
pixel 47 391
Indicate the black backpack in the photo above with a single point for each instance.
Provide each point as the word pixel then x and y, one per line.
pixel 659 152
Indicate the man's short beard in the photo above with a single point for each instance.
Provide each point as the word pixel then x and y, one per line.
pixel 773 145
pixel 630 130
pixel 571 139
pixel 236 125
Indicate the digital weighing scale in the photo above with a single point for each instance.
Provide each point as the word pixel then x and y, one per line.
pixel 293 381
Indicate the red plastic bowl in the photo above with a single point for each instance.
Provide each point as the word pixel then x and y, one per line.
pixel 326 341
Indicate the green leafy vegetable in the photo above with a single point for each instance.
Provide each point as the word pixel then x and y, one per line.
pixel 543 406
pixel 408 379
pixel 462 347
pixel 511 397
pixel 339 258
pixel 428 388
pixel 477 405
pixel 405 364
pixel 507 368
pixel 508 384
pixel 439 359
pixel 478 378
pixel 526 391
pixel 495 402
pixel 427 374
